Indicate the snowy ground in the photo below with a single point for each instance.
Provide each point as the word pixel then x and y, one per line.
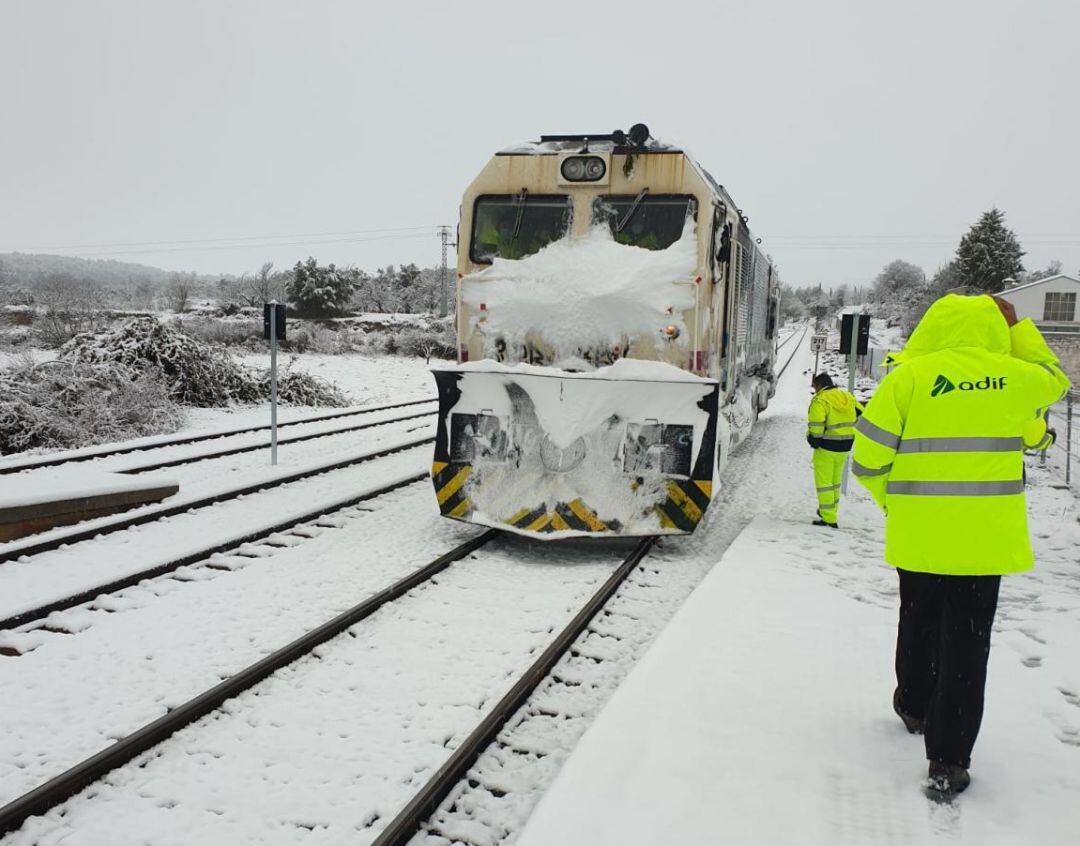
pixel 329 749
pixel 787 735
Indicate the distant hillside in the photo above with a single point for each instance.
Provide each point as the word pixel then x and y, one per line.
pixel 25 271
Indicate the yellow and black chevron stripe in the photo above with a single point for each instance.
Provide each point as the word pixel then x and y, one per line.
pixel 685 503
pixel 566 516
pixel 681 510
pixel 449 482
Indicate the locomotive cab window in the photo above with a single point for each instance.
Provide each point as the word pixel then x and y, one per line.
pixel 512 226
pixel 652 221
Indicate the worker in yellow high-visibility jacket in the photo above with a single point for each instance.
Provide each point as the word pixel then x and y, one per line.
pixel 940 449
pixel 830 430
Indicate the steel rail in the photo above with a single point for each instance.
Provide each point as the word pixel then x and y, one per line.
pixel 10 553
pixel 788 338
pixel 206 456
pixel 50 794
pixel 33 614
pixel 57 460
pixel 793 351
pixel 405 825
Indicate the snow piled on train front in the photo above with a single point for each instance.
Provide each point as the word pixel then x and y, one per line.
pixel 585 293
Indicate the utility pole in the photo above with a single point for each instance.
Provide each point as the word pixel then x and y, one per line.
pixel 444 235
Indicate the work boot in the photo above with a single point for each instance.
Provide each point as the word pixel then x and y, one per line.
pixel 823 523
pixel 947 779
pixel 913 724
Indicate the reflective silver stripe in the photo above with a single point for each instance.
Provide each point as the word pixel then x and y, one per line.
pixel 850 425
pixel 838 437
pixel 960 445
pixel 956 488
pixel 1048 369
pixel 819 426
pixel 875 433
pixel 862 470
pixel 829 488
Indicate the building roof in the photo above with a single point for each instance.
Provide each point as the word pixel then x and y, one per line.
pixel 1040 282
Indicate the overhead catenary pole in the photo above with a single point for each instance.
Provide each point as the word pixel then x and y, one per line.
pixel 444 235
pixel 273 383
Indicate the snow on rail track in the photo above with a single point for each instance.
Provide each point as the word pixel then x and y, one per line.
pixel 370 713
pixel 329 421
pixel 71 568
pixel 249 474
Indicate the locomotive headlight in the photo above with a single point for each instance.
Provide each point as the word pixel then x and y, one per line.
pixel 583 169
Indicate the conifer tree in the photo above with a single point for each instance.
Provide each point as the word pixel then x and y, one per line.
pixel 989 254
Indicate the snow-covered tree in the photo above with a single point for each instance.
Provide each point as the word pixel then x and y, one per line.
pixel 319 291
pixel 897 280
pixel 179 290
pixel 1052 269
pixel 989 254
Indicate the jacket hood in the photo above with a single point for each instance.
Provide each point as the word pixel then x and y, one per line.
pixel 839 399
pixel 956 321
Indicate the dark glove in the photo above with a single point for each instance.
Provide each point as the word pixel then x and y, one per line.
pixel 814 442
pixel 1053 436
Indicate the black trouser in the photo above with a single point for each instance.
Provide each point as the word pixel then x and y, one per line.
pixel 942 646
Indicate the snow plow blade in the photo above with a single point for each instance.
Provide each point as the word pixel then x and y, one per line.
pixel 626 450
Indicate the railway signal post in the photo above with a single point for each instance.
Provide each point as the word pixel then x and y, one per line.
pixel 273 329
pixel 854 340
pixel 817 344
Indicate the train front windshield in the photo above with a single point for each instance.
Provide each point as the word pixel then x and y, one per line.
pixel 653 222
pixel 513 226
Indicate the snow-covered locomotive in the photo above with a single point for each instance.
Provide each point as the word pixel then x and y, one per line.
pixel 616 325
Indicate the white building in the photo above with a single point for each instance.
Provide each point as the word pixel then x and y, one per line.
pixel 1051 303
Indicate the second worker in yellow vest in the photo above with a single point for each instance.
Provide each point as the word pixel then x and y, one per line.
pixel 830 430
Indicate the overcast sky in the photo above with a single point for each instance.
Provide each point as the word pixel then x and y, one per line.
pixel 852 132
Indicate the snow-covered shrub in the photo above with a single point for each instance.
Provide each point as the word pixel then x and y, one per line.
pixel 193 372
pixel 428 343
pixel 64 404
pixel 227 333
pixel 311 337
pixel 296 387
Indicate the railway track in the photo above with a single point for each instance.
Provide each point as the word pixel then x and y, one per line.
pixel 103 526
pixel 58 789
pixel 104 451
pixel 787 338
pixel 261 535
pixel 206 456
pixel 794 350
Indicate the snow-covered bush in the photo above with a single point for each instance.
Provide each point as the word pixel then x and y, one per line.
pixel 63 404
pixel 193 372
pixel 230 333
pixel 440 343
pixel 298 388
pixel 311 337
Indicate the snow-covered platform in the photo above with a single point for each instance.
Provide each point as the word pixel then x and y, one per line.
pixel 762 715
pixel 58 497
